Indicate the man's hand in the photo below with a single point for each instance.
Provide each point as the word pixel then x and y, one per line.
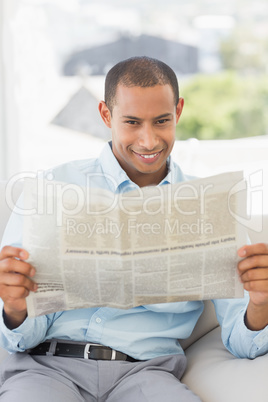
pixel 253 272
pixel 15 284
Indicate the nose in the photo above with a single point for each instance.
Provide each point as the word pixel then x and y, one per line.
pixel 148 138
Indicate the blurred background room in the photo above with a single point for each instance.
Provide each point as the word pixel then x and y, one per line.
pixel 55 54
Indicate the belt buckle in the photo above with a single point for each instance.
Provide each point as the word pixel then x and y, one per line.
pixel 87 351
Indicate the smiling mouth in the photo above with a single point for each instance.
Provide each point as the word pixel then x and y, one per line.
pixel 148 156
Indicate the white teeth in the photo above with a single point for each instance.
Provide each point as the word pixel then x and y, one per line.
pixel 149 156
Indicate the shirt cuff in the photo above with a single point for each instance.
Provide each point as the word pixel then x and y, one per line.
pixel 9 339
pixel 247 343
pixel 20 338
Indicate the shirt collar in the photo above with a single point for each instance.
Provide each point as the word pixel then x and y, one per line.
pixel 120 181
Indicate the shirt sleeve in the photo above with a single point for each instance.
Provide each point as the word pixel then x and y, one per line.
pixel 237 338
pixel 30 333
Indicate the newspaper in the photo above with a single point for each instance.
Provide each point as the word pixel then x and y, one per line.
pixel 159 244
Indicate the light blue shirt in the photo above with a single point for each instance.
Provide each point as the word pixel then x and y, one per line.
pixel 142 332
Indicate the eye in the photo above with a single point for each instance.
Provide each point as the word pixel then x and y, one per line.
pixel 132 122
pixel 162 121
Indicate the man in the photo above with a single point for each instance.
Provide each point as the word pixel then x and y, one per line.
pixel 142 107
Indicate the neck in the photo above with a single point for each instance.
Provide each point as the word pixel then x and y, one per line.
pixel 149 179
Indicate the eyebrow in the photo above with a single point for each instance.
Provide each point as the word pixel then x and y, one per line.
pixel 161 116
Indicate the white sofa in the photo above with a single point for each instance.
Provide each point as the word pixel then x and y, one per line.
pixel 212 372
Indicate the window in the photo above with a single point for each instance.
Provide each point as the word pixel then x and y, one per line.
pixel 9 128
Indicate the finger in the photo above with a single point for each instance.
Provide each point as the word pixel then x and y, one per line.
pixel 13 265
pixel 12 293
pixel 256 286
pixel 256 261
pixel 260 274
pixel 253 249
pixel 15 252
pixel 18 280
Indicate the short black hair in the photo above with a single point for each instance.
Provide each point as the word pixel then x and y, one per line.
pixel 139 72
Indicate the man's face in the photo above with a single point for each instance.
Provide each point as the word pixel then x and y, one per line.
pixel 143 126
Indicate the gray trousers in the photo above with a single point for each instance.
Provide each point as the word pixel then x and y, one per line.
pixel 26 378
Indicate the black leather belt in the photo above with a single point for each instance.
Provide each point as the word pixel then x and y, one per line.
pixel 84 350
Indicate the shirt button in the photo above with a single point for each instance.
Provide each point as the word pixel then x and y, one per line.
pixel 98 320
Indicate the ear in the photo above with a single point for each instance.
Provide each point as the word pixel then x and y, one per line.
pixel 105 114
pixel 179 109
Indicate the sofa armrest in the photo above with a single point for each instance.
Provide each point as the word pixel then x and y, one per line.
pixel 217 376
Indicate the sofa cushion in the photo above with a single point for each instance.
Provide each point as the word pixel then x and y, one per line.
pixel 217 376
pixel 206 323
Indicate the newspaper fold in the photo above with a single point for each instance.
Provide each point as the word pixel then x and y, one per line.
pixel 158 244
